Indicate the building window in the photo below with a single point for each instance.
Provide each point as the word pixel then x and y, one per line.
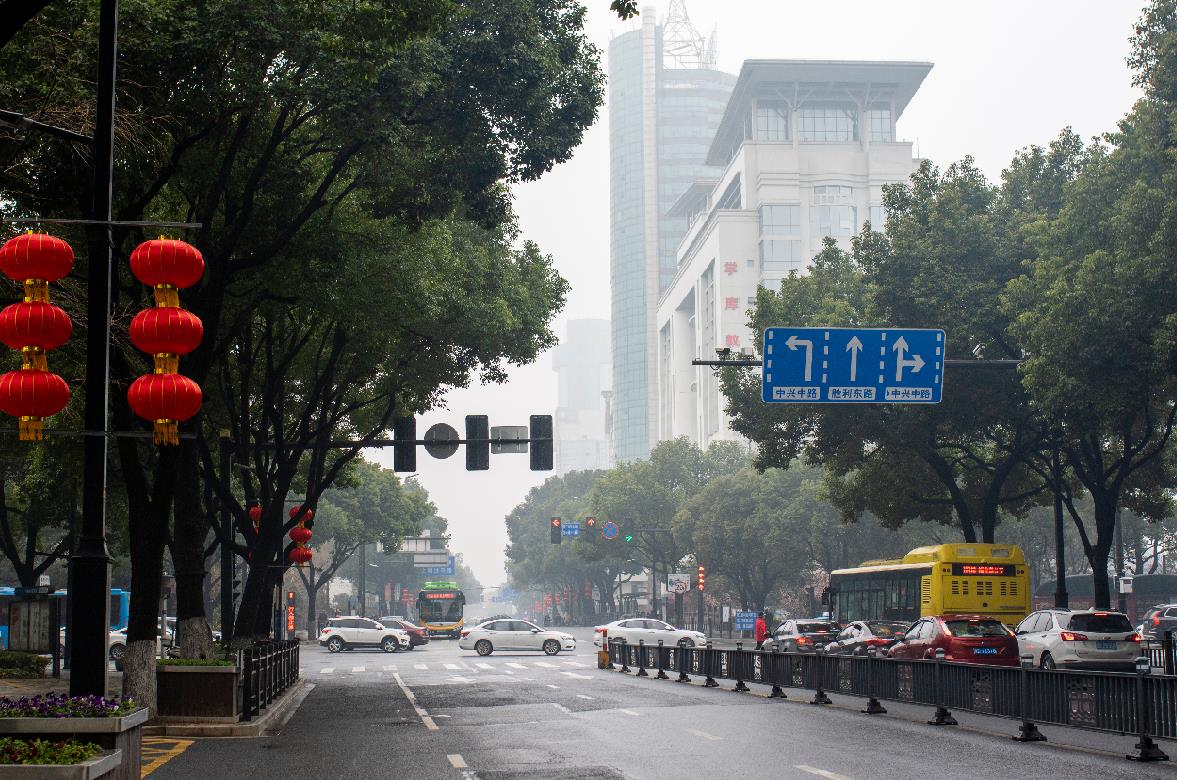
pixel 828 122
pixel 878 122
pixel 778 257
pixel 878 218
pixel 731 196
pixel 780 220
pixel 832 213
pixel 772 121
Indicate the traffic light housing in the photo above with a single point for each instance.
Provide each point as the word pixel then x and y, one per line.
pixel 477 452
pixel 628 536
pixel 590 535
pixel 404 444
pixel 701 582
pixel 557 530
pixel 540 448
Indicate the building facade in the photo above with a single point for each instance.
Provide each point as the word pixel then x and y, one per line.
pixel 584 368
pixel 666 100
pixel 803 151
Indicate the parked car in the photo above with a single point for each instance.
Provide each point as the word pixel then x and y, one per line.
pixel 859 636
pixel 974 639
pixel 346 633
pixel 805 636
pixel 493 635
pixel 1079 639
pixel 417 634
pixel 1159 619
pixel 649 631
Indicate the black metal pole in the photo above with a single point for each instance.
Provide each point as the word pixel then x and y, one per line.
pixel 227 569
pixel 1061 599
pixel 89 574
pixel 363 579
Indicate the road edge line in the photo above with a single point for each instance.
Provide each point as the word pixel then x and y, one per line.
pixel 412 697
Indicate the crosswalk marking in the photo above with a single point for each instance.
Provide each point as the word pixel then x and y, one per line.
pixel 358 669
pixel 390 668
pixel 484 666
pixel 821 772
pixel 327 670
pixel 457 679
pixel 704 735
pixel 573 663
pixel 421 667
pixel 516 666
pixel 629 712
pixel 546 665
pixel 452 667
pixel 576 676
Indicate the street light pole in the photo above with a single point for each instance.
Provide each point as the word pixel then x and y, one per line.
pixel 89 572
pixel 363 575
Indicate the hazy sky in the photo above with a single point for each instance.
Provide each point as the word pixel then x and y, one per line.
pixel 1007 74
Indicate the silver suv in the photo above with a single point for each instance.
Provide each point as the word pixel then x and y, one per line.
pixel 1079 639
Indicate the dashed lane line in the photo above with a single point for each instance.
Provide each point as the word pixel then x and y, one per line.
pixel 358 669
pixel 821 772
pixel 421 667
pixel 421 713
pixel 327 670
pixel 630 712
pixel 576 676
pixel 704 735
pixel 516 666
pixel 553 687
pixel 584 696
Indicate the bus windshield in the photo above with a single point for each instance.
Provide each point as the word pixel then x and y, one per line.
pixel 441 606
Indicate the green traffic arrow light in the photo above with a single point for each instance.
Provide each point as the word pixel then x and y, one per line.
pixel 629 537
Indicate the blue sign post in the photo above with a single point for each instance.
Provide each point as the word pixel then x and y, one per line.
pixel 853 365
pixel 570 529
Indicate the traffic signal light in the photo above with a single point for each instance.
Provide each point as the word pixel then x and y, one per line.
pixel 702 581
pixel 557 530
pixel 477 453
pixel 404 444
pixel 590 535
pixel 628 536
pixel 540 448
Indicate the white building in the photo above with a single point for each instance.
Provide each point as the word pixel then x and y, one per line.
pixel 805 147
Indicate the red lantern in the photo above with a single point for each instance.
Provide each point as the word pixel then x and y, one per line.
pixel 167 265
pixel 34 260
pixel 301 555
pixel 166 333
pixel 255 514
pixel 34 327
pixel 307 514
pixel 31 395
pixel 166 400
pixel 300 534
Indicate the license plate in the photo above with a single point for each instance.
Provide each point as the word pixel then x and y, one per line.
pixel 1106 645
pixel 984 651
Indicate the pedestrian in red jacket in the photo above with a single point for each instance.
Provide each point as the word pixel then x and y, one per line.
pixel 761 630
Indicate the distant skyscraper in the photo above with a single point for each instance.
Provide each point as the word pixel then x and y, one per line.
pixel 666 100
pixel 584 369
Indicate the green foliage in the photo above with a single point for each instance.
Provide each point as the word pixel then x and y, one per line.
pixel 42 751
pixel 23 664
pixel 625 9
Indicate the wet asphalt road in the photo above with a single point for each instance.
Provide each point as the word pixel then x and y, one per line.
pixel 439 712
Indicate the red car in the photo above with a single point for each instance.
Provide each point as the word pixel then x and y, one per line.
pixel 974 639
pixel 417 634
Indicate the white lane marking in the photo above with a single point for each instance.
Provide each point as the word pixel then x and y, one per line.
pixel 576 676
pixel 390 668
pixel 582 696
pixel 553 687
pixel 821 772
pixel 545 665
pixel 421 713
pixel 516 666
pixel 573 663
pixel 456 761
pixel 421 667
pixel 457 679
pixel 630 712
pixel 704 735
pixel 562 708
pixel 507 671
pixel 484 666
pixel 358 669
pixel 452 667
pixel 327 670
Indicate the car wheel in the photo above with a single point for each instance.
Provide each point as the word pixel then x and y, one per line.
pixel 1047 662
pixel 389 644
pixel 685 643
pixel 117 652
pixel 551 647
pixel 412 646
pixel 483 647
pixel 334 644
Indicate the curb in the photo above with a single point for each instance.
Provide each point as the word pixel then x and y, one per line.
pixel 272 718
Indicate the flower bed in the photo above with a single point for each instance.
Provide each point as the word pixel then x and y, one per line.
pixel 110 723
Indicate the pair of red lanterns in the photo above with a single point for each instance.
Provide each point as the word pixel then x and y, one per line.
pixel 301 535
pixel 35 326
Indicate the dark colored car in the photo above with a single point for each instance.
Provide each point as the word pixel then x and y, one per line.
pixel 417 634
pixel 1158 620
pixel 859 637
pixel 974 639
pixel 805 636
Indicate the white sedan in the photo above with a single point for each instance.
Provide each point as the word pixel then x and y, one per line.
pixel 649 631
pixel 493 635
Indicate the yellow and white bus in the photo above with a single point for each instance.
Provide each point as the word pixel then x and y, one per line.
pixel 980 579
pixel 440 607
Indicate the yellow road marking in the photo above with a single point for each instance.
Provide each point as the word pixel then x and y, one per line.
pixel 157 751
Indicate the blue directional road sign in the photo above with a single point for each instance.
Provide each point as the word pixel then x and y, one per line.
pixel 853 365
pixel 745 620
pixel 570 529
pixel 449 570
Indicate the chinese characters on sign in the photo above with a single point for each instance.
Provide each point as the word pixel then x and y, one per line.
pixel 730 267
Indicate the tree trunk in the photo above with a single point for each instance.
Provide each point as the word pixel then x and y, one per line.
pixel 194 637
pixel 139 673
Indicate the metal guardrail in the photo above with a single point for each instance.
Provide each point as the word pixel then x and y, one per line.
pixel 267 669
pixel 1143 704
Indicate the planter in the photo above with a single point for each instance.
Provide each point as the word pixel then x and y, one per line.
pixel 103 765
pixel 197 694
pixel 119 734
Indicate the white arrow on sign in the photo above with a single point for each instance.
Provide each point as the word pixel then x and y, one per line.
pixel 795 342
pixel 854 346
pixel 915 362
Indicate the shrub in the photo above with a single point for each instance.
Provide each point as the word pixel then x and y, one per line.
pixel 42 751
pixel 61 706
pixel 30 664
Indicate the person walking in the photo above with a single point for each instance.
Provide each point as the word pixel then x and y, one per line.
pixel 761 630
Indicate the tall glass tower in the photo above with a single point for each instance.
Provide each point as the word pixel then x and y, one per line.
pixel 666 99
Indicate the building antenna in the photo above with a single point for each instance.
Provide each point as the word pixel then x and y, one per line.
pixel 682 45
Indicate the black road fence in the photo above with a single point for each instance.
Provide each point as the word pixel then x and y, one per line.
pixel 267 669
pixel 1143 704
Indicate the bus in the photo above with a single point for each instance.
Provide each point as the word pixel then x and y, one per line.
pixel 439 608
pixel 980 579
pixel 120 609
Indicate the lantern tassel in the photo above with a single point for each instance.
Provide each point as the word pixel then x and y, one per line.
pixel 30 429
pixel 32 357
pixel 166 432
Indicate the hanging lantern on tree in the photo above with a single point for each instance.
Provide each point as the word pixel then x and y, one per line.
pixel 166 332
pixel 301 536
pixel 306 513
pixel 300 556
pixel 34 326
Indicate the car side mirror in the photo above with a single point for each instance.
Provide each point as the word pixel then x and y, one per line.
pixel 535 630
